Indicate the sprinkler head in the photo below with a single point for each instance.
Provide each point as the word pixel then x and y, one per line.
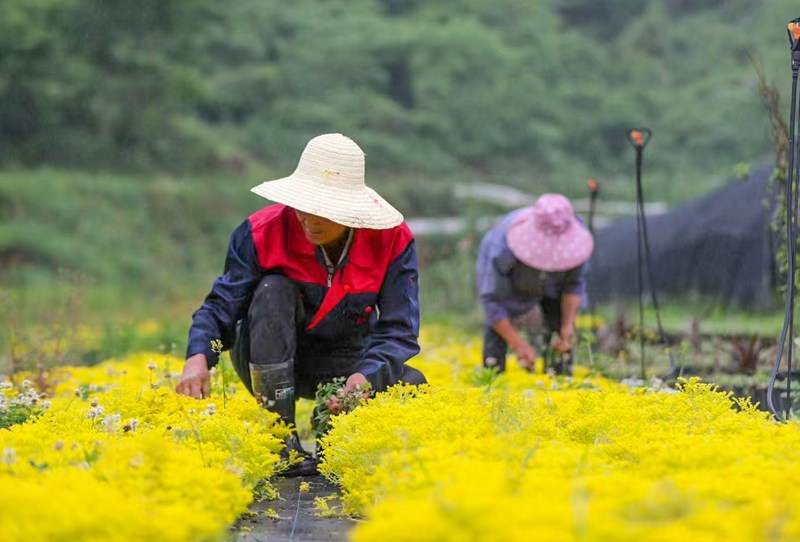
pixel 593 186
pixel 639 137
pixel 794 34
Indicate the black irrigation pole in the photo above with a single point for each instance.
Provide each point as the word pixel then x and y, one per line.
pixel 639 137
pixel 791 234
pixel 594 190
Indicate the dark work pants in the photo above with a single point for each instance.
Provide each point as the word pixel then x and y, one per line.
pixel 274 332
pixel 495 347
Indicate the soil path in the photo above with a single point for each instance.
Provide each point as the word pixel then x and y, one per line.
pixel 297 521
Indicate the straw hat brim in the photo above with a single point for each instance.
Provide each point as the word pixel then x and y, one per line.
pixel 546 252
pixel 359 207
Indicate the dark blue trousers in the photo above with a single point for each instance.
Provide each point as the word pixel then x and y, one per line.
pixel 495 347
pixel 274 332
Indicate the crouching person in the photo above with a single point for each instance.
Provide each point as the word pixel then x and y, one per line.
pixel 534 258
pixel 321 285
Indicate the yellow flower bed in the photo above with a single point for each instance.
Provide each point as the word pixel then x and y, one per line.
pixel 119 456
pixel 538 458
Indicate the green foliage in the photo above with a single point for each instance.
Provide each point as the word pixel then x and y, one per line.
pixel 16 413
pixel 447 276
pixel 484 377
pixel 536 95
pixel 111 227
pixel 24 404
pixel 348 402
pixel 540 91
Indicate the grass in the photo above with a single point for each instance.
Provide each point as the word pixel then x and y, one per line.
pixel 676 316
pixel 146 230
pixel 110 251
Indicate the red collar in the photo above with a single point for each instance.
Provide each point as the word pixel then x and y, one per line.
pixel 359 252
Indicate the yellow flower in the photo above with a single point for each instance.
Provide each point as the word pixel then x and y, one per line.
pixel 150 465
pixel 534 457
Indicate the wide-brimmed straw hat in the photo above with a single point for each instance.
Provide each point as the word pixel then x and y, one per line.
pixel 329 182
pixel 548 235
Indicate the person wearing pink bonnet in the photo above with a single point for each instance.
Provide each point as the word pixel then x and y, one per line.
pixel 533 257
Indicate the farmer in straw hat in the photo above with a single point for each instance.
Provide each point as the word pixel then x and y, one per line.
pixel 321 285
pixel 534 257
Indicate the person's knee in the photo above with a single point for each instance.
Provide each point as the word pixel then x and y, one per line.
pixel 274 291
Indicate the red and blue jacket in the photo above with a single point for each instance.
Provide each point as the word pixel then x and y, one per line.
pixel 372 300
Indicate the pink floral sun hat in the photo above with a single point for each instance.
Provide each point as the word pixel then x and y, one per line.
pixel 548 235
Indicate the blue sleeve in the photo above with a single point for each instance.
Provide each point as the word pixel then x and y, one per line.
pixel 494 281
pixel 575 280
pixel 394 338
pixel 228 300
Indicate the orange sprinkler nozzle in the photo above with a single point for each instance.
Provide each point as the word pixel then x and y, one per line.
pixel 592 184
pixel 638 137
pixel 794 30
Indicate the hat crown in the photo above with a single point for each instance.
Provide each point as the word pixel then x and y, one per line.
pixel 553 214
pixel 332 159
pixel 329 182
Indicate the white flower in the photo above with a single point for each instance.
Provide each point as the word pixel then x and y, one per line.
pixel 6 385
pixel 9 456
pixel 211 409
pixel 110 422
pixel 134 423
pixel 152 366
pixel 632 382
pixel 26 384
pixel 95 412
pixel 45 405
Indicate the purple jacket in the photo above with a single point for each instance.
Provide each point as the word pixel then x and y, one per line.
pixel 507 287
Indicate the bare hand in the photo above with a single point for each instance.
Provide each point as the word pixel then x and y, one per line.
pixel 562 346
pixel 526 354
pixel 195 380
pixel 353 381
pixel 564 342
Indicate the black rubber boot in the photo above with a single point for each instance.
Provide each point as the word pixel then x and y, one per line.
pixel 273 388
